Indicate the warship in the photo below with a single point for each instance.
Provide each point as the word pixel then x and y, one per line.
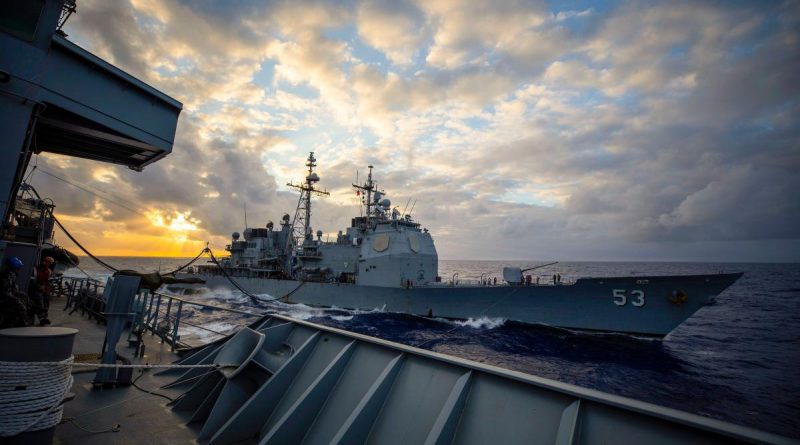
pixel 274 380
pixel 386 261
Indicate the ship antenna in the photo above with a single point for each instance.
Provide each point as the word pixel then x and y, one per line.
pixel 412 207
pixel 360 207
pixel 369 194
pixel 407 203
pixel 245 215
pixel 302 214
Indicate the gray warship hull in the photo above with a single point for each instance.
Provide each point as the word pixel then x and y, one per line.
pixel 648 306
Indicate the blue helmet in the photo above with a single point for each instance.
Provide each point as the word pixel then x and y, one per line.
pixel 15 262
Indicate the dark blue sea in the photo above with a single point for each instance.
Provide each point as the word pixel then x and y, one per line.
pixel 737 360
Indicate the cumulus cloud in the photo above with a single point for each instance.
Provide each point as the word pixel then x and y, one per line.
pixel 393 27
pixel 645 130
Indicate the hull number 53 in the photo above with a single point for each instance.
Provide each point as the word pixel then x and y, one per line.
pixel 621 297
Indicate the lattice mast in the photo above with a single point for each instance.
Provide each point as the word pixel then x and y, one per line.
pixel 301 224
pixel 368 190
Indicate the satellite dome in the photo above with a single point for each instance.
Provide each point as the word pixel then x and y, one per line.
pixel 319 233
pixel 378 196
pixel 286 217
pixel 313 177
pixel 235 235
pixel 270 225
pixel 386 204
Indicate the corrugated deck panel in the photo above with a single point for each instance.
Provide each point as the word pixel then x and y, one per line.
pixel 336 387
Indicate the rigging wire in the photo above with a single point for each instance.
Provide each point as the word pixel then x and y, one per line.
pixel 254 299
pixel 35 166
pixel 99 261
pixel 187 264
pixel 117 427
pixel 145 390
pixel 96 194
pixel 80 246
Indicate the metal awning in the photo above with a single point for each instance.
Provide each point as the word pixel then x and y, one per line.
pixel 97 111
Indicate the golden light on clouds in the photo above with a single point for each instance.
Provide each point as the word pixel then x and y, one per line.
pixel 636 122
pixel 177 221
pixel 159 234
pixel 179 224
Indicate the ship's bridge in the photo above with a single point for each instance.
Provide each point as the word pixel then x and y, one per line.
pixel 397 256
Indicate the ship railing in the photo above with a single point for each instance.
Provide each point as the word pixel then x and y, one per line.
pixel 159 314
pixel 82 294
pixel 165 315
pixel 489 282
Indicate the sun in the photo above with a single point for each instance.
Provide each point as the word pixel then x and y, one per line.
pixel 180 224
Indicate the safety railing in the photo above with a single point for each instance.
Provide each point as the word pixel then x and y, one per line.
pixel 489 281
pixel 82 294
pixel 164 315
pixel 159 314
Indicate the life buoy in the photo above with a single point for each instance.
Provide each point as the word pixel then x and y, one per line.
pixel 678 297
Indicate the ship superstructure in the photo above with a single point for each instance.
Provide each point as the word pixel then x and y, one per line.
pixel 382 247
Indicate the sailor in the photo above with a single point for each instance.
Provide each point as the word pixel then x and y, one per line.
pixel 40 298
pixel 527 280
pixel 13 303
pixel 495 281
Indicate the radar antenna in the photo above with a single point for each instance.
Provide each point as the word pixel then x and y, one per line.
pixel 368 189
pixel 301 224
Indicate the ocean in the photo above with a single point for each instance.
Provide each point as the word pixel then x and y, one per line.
pixel 736 360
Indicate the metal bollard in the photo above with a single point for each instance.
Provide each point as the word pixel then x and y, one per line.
pixel 35 344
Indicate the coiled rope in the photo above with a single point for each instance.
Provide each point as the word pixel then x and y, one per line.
pixel 31 396
pixel 31 393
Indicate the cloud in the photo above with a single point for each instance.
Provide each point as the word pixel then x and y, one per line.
pixel 466 31
pixel 393 27
pixel 746 203
pixel 643 130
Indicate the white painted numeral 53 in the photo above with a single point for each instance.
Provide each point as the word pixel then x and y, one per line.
pixel 621 297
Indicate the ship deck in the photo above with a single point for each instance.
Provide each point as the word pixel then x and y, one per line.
pixel 143 417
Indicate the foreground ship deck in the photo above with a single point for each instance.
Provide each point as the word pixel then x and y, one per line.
pixel 143 418
pixel 303 383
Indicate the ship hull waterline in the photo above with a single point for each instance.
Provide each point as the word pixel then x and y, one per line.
pixel 647 306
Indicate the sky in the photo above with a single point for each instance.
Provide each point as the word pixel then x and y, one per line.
pixel 575 130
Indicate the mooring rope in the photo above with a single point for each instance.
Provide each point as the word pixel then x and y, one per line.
pixel 31 396
pixel 192 261
pixel 31 393
pixel 80 246
pixel 253 298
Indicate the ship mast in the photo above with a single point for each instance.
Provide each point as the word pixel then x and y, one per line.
pixel 301 224
pixel 368 189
